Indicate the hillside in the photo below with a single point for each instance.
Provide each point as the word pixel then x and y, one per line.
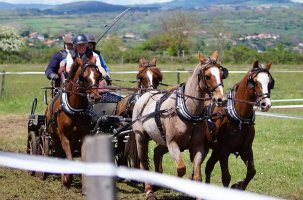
pixel 99 6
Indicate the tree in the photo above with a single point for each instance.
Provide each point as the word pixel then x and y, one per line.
pixel 9 40
pixel 174 34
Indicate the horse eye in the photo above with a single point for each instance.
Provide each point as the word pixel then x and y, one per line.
pixel 207 77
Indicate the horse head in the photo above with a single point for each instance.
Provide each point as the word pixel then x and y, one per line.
pixel 149 75
pixel 211 75
pixel 259 83
pixel 86 77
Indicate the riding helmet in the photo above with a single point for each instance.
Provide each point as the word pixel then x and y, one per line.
pixel 80 39
pixel 91 38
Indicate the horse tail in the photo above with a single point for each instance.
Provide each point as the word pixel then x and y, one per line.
pixel 131 151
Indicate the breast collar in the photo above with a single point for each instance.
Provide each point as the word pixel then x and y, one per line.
pixel 72 111
pixel 232 114
pixel 182 110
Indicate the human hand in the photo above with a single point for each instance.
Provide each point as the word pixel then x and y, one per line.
pixel 54 76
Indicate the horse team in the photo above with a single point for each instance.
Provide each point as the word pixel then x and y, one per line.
pixel 195 115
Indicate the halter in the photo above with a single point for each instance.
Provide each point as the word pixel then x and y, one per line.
pixel 253 73
pixel 202 76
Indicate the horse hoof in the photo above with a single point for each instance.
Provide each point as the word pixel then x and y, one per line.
pixel 238 186
pixel 151 196
pixel 181 171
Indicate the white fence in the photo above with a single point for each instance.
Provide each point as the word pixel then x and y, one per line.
pixel 105 170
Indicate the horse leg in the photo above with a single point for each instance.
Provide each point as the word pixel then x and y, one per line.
pixel 142 149
pixel 213 159
pixel 224 168
pixel 66 178
pixel 248 159
pixel 174 151
pixel 159 152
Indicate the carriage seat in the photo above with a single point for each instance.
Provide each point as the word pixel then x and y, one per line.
pixel 108 97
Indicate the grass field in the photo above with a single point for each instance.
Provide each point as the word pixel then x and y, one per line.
pixel 277 147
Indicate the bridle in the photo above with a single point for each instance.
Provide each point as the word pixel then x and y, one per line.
pixel 141 74
pixel 253 73
pixel 81 82
pixel 209 64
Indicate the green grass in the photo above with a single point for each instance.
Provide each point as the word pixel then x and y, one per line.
pixel 277 147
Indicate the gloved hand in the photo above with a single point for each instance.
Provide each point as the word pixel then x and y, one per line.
pixel 54 76
pixel 108 79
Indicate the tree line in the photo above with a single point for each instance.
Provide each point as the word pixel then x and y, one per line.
pixel 173 41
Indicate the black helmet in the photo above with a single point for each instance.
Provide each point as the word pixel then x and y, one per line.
pixel 91 38
pixel 80 39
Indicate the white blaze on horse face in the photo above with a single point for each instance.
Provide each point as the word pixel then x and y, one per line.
pixel 92 77
pixel 263 78
pixel 150 78
pixel 215 71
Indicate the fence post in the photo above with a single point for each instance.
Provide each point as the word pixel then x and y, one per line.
pixel 178 77
pixel 3 84
pixel 99 149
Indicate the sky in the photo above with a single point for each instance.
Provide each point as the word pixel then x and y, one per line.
pixel 116 2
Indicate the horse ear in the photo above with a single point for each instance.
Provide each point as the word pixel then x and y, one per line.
pixel 268 66
pixel 214 56
pixel 256 64
pixel 201 57
pixel 154 61
pixel 141 61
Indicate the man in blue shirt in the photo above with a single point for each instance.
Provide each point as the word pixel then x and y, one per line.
pixel 52 70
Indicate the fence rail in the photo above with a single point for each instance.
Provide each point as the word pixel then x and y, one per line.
pixel 105 170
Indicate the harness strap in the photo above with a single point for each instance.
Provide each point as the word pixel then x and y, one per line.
pixel 232 113
pixel 158 113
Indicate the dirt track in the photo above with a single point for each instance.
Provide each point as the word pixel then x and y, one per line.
pixel 13 132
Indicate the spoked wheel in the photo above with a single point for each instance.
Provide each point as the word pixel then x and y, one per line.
pixel 43 148
pixel 32 147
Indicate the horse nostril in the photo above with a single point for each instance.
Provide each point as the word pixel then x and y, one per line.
pixel 263 104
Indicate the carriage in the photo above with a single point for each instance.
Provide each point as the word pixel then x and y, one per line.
pixel 106 115
pixel 104 121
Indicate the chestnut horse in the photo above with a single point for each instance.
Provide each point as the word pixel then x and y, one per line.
pixel 149 77
pixel 68 114
pixel 175 119
pixel 234 126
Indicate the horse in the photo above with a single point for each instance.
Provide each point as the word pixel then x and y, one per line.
pixel 174 120
pixel 68 115
pixel 149 77
pixel 233 126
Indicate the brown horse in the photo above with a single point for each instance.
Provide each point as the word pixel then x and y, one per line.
pixel 149 77
pixel 68 114
pixel 174 120
pixel 234 129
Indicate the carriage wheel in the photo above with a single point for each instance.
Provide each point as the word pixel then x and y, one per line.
pixel 43 148
pixel 32 146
